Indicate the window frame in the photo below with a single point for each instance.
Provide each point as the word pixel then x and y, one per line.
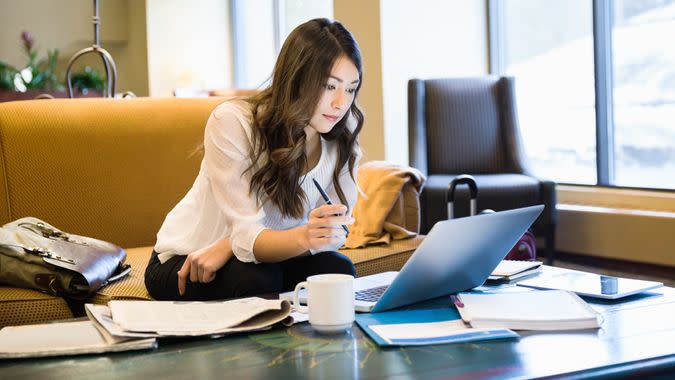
pixel 604 122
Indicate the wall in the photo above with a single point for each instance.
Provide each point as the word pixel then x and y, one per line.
pixel 188 45
pixel 626 224
pixel 66 25
pixel 157 45
pixel 362 18
pixel 426 39
pixel 133 62
pixel 400 40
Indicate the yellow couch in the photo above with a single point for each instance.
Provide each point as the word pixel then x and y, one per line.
pixel 110 169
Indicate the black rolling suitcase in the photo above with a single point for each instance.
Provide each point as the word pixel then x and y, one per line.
pixel 525 248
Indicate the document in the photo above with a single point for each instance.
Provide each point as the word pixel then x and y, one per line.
pixel 508 270
pixel 424 327
pixel 102 319
pixel 528 310
pixel 67 338
pixel 167 318
pixel 296 317
pixel 415 334
pixel 135 325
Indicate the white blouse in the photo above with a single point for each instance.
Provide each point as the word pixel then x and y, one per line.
pixel 219 206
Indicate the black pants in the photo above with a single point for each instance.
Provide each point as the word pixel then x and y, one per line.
pixel 239 279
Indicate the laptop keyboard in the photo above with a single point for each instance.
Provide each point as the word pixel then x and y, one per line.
pixel 370 295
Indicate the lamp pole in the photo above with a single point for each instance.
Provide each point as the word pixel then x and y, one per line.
pixel 108 62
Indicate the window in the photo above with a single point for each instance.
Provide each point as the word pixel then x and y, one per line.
pixel 548 48
pixel 644 93
pixel 253 42
pixel 595 87
pixel 259 28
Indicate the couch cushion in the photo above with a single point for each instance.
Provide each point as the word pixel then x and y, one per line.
pixel 132 286
pixel 24 306
pixel 369 260
pixel 382 258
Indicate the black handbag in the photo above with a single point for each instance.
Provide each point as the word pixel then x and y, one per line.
pixel 37 255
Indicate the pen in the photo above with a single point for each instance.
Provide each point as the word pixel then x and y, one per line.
pixel 456 301
pixel 328 201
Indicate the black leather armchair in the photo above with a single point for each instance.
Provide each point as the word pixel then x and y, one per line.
pixel 470 126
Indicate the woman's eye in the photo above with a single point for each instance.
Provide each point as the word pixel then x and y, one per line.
pixel 351 90
pixel 330 87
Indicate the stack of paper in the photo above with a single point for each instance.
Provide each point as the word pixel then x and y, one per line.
pixel 135 325
pixel 67 338
pixel 166 318
pixel 528 310
pixel 509 270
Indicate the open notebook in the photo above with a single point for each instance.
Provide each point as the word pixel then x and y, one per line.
pixel 529 310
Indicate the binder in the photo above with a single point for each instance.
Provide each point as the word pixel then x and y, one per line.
pixel 424 327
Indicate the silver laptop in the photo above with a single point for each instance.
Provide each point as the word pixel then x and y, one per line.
pixel 456 255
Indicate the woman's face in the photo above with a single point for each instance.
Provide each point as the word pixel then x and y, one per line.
pixel 337 96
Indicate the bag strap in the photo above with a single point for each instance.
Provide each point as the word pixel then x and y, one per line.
pixel 50 232
pixel 39 251
pixel 123 271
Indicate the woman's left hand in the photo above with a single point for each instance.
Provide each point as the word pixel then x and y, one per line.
pixel 324 229
pixel 202 265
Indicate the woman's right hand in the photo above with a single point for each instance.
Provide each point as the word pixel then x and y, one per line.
pixel 202 265
pixel 323 231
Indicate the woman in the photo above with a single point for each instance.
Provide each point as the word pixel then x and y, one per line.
pixel 253 221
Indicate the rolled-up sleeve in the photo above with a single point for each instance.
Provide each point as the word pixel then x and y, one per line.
pixel 226 159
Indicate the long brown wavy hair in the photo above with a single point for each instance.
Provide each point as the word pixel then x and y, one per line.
pixel 282 111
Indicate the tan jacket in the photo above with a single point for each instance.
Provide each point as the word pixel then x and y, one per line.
pixel 387 207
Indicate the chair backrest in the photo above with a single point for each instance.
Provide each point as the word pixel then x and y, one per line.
pixel 464 125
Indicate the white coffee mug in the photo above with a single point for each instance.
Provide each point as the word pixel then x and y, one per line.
pixel 330 302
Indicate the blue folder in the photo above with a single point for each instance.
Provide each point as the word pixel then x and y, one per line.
pixel 447 313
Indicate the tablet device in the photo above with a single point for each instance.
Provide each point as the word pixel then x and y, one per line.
pixel 591 284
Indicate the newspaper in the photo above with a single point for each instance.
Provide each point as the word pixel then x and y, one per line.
pixel 135 325
pixel 137 319
pixel 64 338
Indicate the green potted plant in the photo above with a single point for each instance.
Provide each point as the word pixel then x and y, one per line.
pixel 36 75
pixel 88 80
pixel 39 77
